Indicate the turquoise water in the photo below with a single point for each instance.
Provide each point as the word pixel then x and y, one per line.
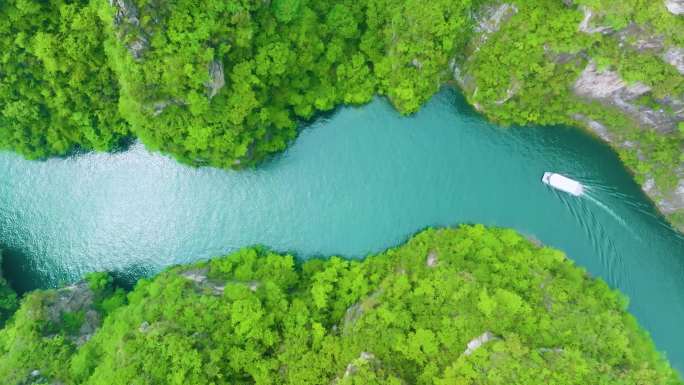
pixel 354 183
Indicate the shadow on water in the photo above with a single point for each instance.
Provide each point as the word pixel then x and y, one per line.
pixel 15 267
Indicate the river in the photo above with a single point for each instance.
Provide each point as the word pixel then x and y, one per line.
pixel 355 182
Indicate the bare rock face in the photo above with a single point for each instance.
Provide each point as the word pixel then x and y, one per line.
pixel 587 26
pixel 217 79
pixel 493 17
pixel 672 202
pixel 432 259
pixel 128 27
pixel 675 57
pixel 488 21
pixel 675 6
pixel 478 341
pixel 202 282
pixel 640 39
pixel 596 127
pixel 126 12
pixel 74 299
pixel 604 84
pixel 608 87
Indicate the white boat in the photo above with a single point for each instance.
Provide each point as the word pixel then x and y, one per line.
pixel 563 183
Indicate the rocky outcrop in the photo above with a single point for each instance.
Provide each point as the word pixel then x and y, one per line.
pixel 675 6
pixel 609 88
pixel 216 78
pixel 366 366
pixel 127 25
pixel 357 310
pixel 478 341
pixel 431 260
pixel 596 127
pixel 640 39
pixel 668 203
pixel 487 22
pixel 353 366
pixel 492 17
pixel 675 57
pixel 216 287
pixel 490 20
pixel 587 25
pixel 78 298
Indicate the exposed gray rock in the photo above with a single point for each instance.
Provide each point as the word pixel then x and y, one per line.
pixel 492 17
pixel 357 310
pixel 674 201
pixel 160 106
pixel 201 280
pixel 605 84
pixel 126 12
pixel 138 46
pixel 128 27
pixel 352 367
pixel 73 299
pixel 675 6
pixel 586 23
pixel 196 275
pixel 478 341
pixel 489 20
pixel 640 39
pixel 144 327
pixel 608 87
pixel 431 259
pixel 533 239
pixel 217 79
pixel 510 92
pixel 675 57
pixel 417 63
pixel 594 126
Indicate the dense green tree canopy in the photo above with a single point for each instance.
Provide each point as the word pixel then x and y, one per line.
pixel 8 298
pixel 225 83
pixel 453 306
pixel 217 83
pixel 57 92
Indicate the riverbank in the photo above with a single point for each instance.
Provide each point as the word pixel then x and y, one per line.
pixel 616 71
pixel 440 308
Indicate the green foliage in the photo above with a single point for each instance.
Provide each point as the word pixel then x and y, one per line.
pixel 225 83
pixel 281 62
pixel 256 317
pixel 57 92
pixel 71 322
pixel 8 298
pixel 544 52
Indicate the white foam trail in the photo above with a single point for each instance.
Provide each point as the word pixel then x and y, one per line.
pixel 611 213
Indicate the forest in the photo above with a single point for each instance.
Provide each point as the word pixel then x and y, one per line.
pixel 220 83
pixel 227 83
pixel 466 305
pixel 8 298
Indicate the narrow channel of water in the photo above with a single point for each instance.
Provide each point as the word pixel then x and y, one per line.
pixel 355 183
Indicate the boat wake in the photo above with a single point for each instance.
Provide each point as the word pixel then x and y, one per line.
pixel 605 208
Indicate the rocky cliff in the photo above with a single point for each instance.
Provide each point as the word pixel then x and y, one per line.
pixel 616 71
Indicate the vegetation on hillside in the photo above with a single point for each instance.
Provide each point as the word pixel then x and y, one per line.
pixel 224 83
pixel 57 92
pixel 411 315
pixel 212 83
pixel 8 298
pixel 544 53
